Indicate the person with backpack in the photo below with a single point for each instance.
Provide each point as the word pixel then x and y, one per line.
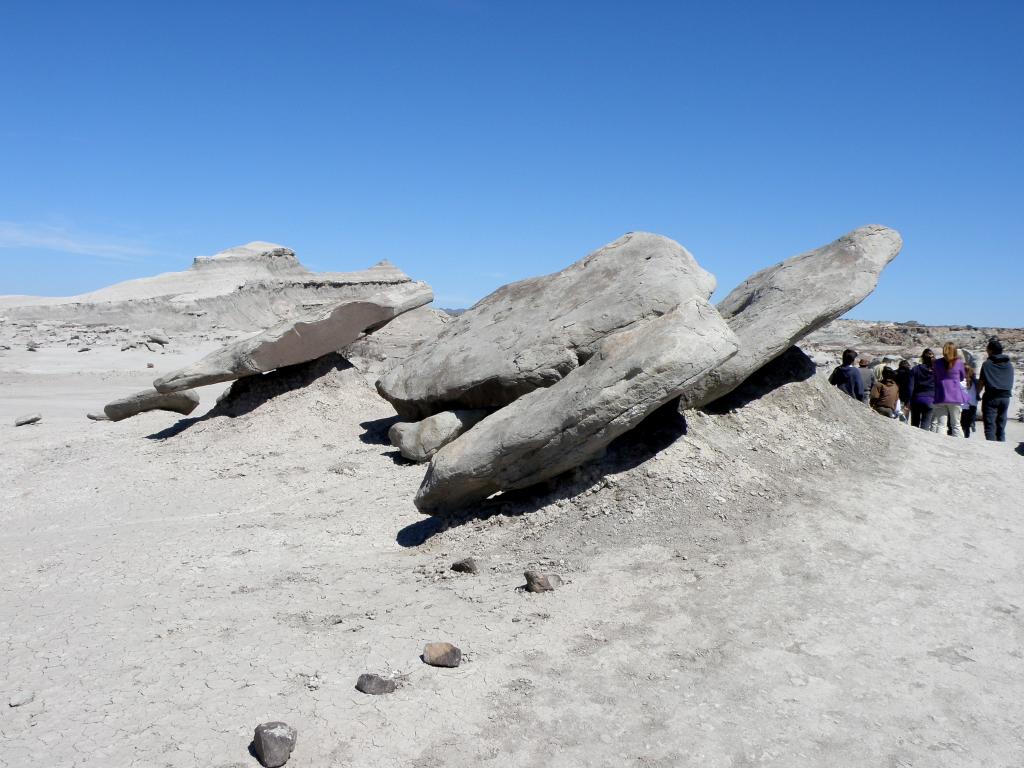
pixel 948 398
pixel 921 391
pixel 996 387
pixel 847 378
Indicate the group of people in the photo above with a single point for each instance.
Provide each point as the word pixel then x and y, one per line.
pixel 940 395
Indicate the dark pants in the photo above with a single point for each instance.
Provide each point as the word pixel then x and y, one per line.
pixel 994 412
pixel 921 415
pixel 967 418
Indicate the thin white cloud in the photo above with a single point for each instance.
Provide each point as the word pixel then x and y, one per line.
pixel 62 240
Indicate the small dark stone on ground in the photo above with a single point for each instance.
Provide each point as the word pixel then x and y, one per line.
pixel 541 582
pixel 33 418
pixel 466 565
pixel 375 685
pixel 442 655
pixel 273 743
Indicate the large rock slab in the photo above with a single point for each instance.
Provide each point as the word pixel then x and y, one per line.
pixel 419 440
pixel 151 400
pixel 308 338
pixel 549 431
pixel 773 309
pixel 531 334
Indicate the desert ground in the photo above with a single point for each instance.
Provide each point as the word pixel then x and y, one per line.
pixel 794 582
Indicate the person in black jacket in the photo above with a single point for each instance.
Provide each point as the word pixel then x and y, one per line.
pixel 921 391
pixel 996 386
pixel 847 378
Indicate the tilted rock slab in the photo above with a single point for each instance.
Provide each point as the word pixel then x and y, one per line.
pixel 313 336
pixel 419 440
pixel 529 335
pixel 773 309
pixel 549 431
pixel 151 400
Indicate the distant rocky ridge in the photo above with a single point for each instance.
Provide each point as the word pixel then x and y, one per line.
pixel 249 287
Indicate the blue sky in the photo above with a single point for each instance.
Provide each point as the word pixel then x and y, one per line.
pixel 475 143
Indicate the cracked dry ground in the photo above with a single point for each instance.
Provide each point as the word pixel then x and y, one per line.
pixel 797 584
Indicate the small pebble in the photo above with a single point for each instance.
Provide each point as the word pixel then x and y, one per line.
pixel 375 685
pixel 21 699
pixel 442 655
pixel 273 743
pixel 466 565
pixel 541 582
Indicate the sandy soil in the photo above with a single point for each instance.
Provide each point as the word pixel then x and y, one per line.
pixel 796 583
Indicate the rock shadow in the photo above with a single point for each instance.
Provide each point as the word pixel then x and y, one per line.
pixel 377 430
pixel 650 437
pixel 791 366
pixel 249 393
pixel 1020 448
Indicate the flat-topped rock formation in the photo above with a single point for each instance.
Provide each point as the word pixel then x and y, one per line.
pixel 248 287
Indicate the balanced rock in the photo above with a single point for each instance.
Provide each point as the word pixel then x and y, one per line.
pixel 773 309
pixel 308 338
pixel 273 743
pixel 531 334
pixel 541 582
pixel 420 440
pixel 375 685
pixel 32 418
pixel 151 400
pixel 549 431
pixel 442 655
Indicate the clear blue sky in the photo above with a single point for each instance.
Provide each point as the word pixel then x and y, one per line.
pixel 473 143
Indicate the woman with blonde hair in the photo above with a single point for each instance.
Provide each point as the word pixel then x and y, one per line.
pixel 949 395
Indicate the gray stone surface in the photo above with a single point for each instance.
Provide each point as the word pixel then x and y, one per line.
pixel 549 431
pixel 97 416
pixel 21 699
pixel 419 440
pixel 151 400
pixel 773 309
pixel 312 336
pixel 375 685
pixel 158 337
pixel 273 743
pixel 466 565
pixel 542 582
pixel 31 418
pixel 442 655
pixel 529 335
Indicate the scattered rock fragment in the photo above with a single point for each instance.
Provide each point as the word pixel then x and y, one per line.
pixel 375 685
pixel 418 441
pixel 273 743
pixel 97 416
pixel 542 582
pixel 466 565
pixel 312 336
pixel 32 418
pixel 150 365
pixel 21 699
pixel 84 349
pixel 151 400
pixel 442 655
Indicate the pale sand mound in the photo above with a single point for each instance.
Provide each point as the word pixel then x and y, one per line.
pixel 798 583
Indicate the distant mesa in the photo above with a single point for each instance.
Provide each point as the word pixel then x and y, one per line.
pixel 248 287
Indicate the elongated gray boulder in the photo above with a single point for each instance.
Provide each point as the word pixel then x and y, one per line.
pixel 529 335
pixel 151 400
pixel 308 338
pixel 773 309
pixel 419 440
pixel 549 431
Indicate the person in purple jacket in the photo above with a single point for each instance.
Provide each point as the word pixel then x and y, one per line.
pixel 921 391
pixel 949 394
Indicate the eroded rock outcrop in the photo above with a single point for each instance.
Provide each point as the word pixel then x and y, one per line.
pixel 776 307
pixel 531 334
pixel 151 400
pixel 308 338
pixel 548 431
